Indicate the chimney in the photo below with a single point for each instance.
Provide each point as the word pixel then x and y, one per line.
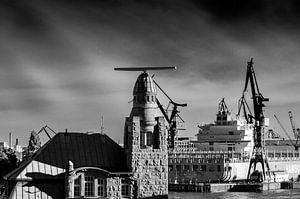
pixel 10 140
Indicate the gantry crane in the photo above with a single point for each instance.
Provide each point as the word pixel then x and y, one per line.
pixel 258 153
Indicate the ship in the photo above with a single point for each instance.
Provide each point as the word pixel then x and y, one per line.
pixel 230 148
pixel 220 152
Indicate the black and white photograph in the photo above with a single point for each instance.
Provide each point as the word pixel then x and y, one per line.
pixel 143 99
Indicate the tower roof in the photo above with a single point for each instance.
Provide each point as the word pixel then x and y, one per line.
pixel 144 84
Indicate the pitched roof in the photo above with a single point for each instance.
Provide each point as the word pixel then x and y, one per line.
pixel 84 150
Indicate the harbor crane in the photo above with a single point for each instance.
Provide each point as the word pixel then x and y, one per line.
pixel 172 119
pixel 286 133
pixel 44 128
pixel 295 143
pixel 258 153
pixel 295 131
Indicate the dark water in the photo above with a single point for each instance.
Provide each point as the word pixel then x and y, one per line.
pixel 293 193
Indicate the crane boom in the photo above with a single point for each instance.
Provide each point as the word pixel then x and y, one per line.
pixel 282 127
pixel 293 124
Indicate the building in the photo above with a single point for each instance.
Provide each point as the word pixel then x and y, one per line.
pixel 73 165
pixel 92 165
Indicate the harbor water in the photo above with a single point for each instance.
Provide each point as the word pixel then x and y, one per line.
pixel 276 194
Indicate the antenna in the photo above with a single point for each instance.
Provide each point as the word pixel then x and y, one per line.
pixel 145 68
pixel 102 125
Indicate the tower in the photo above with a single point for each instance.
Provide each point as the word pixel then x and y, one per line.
pixel 145 140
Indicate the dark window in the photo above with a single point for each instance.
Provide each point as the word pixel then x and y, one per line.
pixel 101 187
pixel 219 167
pixel 195 167
pixel 125 189
pixel 149 138
pixel 170 167
pixel 178 167
pixel 186 167
pixel 230 132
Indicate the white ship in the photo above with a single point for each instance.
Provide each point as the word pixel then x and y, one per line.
pixel 221 152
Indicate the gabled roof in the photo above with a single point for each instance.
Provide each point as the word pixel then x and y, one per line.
pixel 84 150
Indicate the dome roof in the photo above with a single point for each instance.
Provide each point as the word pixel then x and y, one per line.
pixel 144 84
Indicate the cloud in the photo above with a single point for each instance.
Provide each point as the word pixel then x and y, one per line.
pixel 57 58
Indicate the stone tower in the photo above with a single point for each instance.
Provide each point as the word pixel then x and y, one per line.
pixel 145 141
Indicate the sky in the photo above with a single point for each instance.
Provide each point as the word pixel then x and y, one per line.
pixel 57 60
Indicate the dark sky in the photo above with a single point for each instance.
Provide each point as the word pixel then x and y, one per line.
pixel 57 59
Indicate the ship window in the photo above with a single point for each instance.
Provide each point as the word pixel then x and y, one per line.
pixel 203 167
pixel 230 132
pixel 178 167
pixel 195 167
pixel 186 167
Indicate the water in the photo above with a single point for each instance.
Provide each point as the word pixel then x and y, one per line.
pixel 276 194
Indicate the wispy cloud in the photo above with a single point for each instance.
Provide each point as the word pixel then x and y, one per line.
pixel 57 58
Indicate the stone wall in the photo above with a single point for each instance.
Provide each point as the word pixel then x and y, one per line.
pixel 149 166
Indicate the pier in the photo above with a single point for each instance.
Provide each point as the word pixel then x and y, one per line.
pixel 232 187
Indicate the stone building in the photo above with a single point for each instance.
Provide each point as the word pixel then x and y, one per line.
pixel 82 165
pixel 145 141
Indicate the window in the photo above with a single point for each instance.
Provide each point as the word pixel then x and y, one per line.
pixel 219 168
pixel 170 167
pixel 89 185
pixel 186 167
pixel 148 98
pixel 77 186
pixel 101 188
pixel 143 139
pixel 203 167
pixel 152 98
pixel 125 189
pixel 149 138
pixel 178 167
pixel 86 185
pixel 195 167
pixel 230 132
